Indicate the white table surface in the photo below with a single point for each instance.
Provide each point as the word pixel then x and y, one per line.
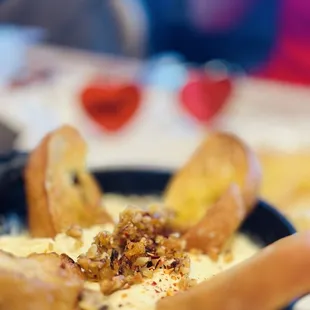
pixel 265 114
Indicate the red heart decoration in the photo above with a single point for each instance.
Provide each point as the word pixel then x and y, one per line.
pixel 203 97
pixel 111 105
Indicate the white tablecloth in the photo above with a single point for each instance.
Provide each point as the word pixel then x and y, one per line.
pixel 265 114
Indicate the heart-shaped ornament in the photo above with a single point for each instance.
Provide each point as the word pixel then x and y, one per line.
pixel 111 105
pixel 204 97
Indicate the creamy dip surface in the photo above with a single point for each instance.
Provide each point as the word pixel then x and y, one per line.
pixel 139 296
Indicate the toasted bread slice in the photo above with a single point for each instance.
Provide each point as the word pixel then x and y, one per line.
pixel 269 280
pixel 218 225
pixel 222 159
pixel 60 190
pixel 62 261
pixel 41 282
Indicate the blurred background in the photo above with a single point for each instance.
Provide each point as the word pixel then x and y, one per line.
pixel 145 81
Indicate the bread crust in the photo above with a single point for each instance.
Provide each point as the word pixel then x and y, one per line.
pixel 269 280
pixel 60 191
pixel 222 159
pixel 221 221
pixel 40 282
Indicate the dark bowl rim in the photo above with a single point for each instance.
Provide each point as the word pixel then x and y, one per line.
pixel 16 160
pixel 149 169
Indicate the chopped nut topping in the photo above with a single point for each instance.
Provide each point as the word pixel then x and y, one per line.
pixel 112 285
pixel 140 243
pixel 214 254
pixel 186 283
pixel 92 251
pixel 75 232
pixel 228 256
pixel 170 293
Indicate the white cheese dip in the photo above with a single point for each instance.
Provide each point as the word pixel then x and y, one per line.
pixel 140 296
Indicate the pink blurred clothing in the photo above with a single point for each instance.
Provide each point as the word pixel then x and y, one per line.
pixel 290 59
